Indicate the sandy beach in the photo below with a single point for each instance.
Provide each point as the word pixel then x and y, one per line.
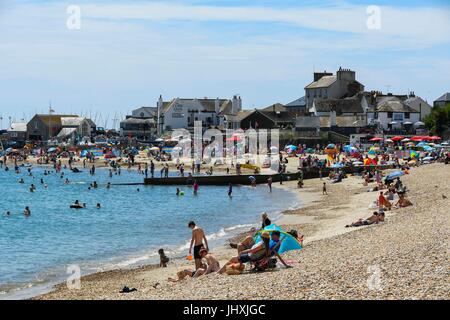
pixel 406 257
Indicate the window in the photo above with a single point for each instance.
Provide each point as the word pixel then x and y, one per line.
pixel 407 115
pixel 389 115
pixel 375 115
pixel 398 117
pixel 36 125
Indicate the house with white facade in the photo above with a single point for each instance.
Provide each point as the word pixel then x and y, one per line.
pixel 73 127
pixel 326 86
pixel 182 113
pixel 420 105
pixel 391 114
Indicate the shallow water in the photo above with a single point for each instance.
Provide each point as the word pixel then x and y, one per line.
pixel 127 230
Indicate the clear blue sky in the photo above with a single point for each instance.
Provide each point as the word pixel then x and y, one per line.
pixel 127 53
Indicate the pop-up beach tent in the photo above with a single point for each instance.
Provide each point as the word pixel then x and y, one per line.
pixel 288 242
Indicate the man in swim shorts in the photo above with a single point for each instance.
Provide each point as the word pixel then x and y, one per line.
pixel 198 238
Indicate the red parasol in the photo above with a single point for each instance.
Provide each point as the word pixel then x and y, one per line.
pixel 376 139
pixel 418 138
pixel 397 138
pixel 435 138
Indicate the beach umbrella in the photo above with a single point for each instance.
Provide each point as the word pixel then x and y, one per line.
pixel 154 149
pixel 331 146
pixel 288 242
pixel 389 140
pixel 419 123
pixel 434 138
pixel 358 163
pixel 445 143
pixel 234 138
pixel 421 144
pixel 395 174
pixel 397 138
pixel 376 139
pixel 417 138
pixel 406 140
pixel 52 149
pixel 428 159
pixel 337 165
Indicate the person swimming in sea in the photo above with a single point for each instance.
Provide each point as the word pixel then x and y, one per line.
pixel 98 206
pixel 32 188
pixel 178 192
pixel 230 190
pixel 108 185
pixel 27 212
pixel 67 181
pixel 42 181
pixel 21 180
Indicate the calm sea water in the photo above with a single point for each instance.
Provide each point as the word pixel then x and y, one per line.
pixel 127 230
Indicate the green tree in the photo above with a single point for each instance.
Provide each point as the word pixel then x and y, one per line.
pixel 438 121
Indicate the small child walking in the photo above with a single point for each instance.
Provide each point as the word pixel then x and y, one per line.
pixel 163 259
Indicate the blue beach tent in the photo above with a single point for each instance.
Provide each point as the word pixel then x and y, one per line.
pixel 288 242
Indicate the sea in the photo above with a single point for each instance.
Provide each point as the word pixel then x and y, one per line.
pixel 134 221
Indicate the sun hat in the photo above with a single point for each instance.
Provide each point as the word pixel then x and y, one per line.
pixel 265 235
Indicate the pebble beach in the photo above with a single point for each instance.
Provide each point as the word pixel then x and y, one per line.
pixel 405 257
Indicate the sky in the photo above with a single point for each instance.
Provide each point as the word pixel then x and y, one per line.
pixel 119 55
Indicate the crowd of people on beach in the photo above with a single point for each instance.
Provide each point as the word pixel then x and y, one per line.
pixel 260 250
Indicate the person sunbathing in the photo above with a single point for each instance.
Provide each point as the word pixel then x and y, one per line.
pixel 403 202
pixel 374 219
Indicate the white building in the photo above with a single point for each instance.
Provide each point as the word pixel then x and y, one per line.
pixel 74 127
pixel 182 113
pixel 391 114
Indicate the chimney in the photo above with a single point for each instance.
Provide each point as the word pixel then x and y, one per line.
pixel 159 107
pixel 217 106
pixel 318 75
pixel 234 105
pixel 240 104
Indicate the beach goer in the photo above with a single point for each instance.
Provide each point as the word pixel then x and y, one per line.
pixel 403 201
pixel 163 259
pixel 269 183
pixel 265 220
pixel 27 212
pixel 21 180
pixel 324 188
pixel 99 206
pixel 230 190
pixel 256 252
pixel 178 192
pixel 211 262
pixel 383 202
pixel 196 186
pixel 152 169
pixel 375 218
pixel 248 241
pixel 198 241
